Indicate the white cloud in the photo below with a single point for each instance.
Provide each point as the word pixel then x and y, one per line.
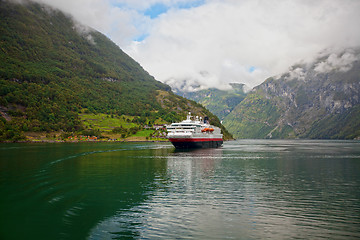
pixel 339 62
pixel 116 23
pixel 297 73
pixel 221 41
pixel 227 38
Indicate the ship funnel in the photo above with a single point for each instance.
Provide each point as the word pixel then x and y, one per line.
pixel 206 119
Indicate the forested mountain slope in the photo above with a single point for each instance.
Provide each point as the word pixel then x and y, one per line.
pixel 52 69
pixel 316 100
pixel 219 102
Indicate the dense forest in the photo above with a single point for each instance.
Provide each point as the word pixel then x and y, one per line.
pixel 53 69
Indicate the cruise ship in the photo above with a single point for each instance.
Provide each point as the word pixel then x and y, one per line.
pixel 194 133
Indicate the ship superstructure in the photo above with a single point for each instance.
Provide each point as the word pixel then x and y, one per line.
pixel 194 133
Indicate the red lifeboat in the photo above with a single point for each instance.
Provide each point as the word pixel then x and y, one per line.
pixel 207 130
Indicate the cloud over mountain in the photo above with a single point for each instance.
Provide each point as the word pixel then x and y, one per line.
pixel 341 62
pixel 213 42
pixel 244 41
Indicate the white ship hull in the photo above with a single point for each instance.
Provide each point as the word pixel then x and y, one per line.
pixel 194 134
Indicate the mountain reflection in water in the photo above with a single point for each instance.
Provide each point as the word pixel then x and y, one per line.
pixel 248 189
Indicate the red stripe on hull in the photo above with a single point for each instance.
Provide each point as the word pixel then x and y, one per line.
pixel 188 143
pixel 194 139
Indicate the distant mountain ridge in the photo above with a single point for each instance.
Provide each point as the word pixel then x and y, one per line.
pixel 219 102
pixel 52 69
pixel 317 100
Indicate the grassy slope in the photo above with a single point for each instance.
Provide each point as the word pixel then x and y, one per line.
pixel 105 122
pixel 219 102
pixel 254 117
pixel 50 72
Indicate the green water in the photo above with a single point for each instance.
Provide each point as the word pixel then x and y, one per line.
pixel 248 189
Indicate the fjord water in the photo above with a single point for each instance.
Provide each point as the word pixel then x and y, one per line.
pixel 248 189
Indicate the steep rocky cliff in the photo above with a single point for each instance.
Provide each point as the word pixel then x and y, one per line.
pixel 315 100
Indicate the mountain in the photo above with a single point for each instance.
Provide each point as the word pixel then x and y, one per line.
pixel 219 102
pixel 316 100
pixel 53 70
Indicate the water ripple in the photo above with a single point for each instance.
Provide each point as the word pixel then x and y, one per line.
pixel 252 190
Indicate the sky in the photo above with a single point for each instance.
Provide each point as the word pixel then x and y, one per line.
pixel 211 43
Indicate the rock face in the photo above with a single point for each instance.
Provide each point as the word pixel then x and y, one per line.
pixel 317 100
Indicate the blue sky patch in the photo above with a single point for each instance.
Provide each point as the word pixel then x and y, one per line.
pixel 159 8
pixel 251 69
pixel 191 4
pixel 141 37
pixel 155 10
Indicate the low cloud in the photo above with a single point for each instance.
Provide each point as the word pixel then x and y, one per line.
pixel 244 41
pixel 298 73
pixel 211 43
pixel 342 62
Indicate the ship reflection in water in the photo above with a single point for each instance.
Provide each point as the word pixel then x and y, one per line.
pixel 263 189
pixel 247 189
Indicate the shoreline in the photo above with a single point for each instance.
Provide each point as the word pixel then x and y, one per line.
pixel 96 141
